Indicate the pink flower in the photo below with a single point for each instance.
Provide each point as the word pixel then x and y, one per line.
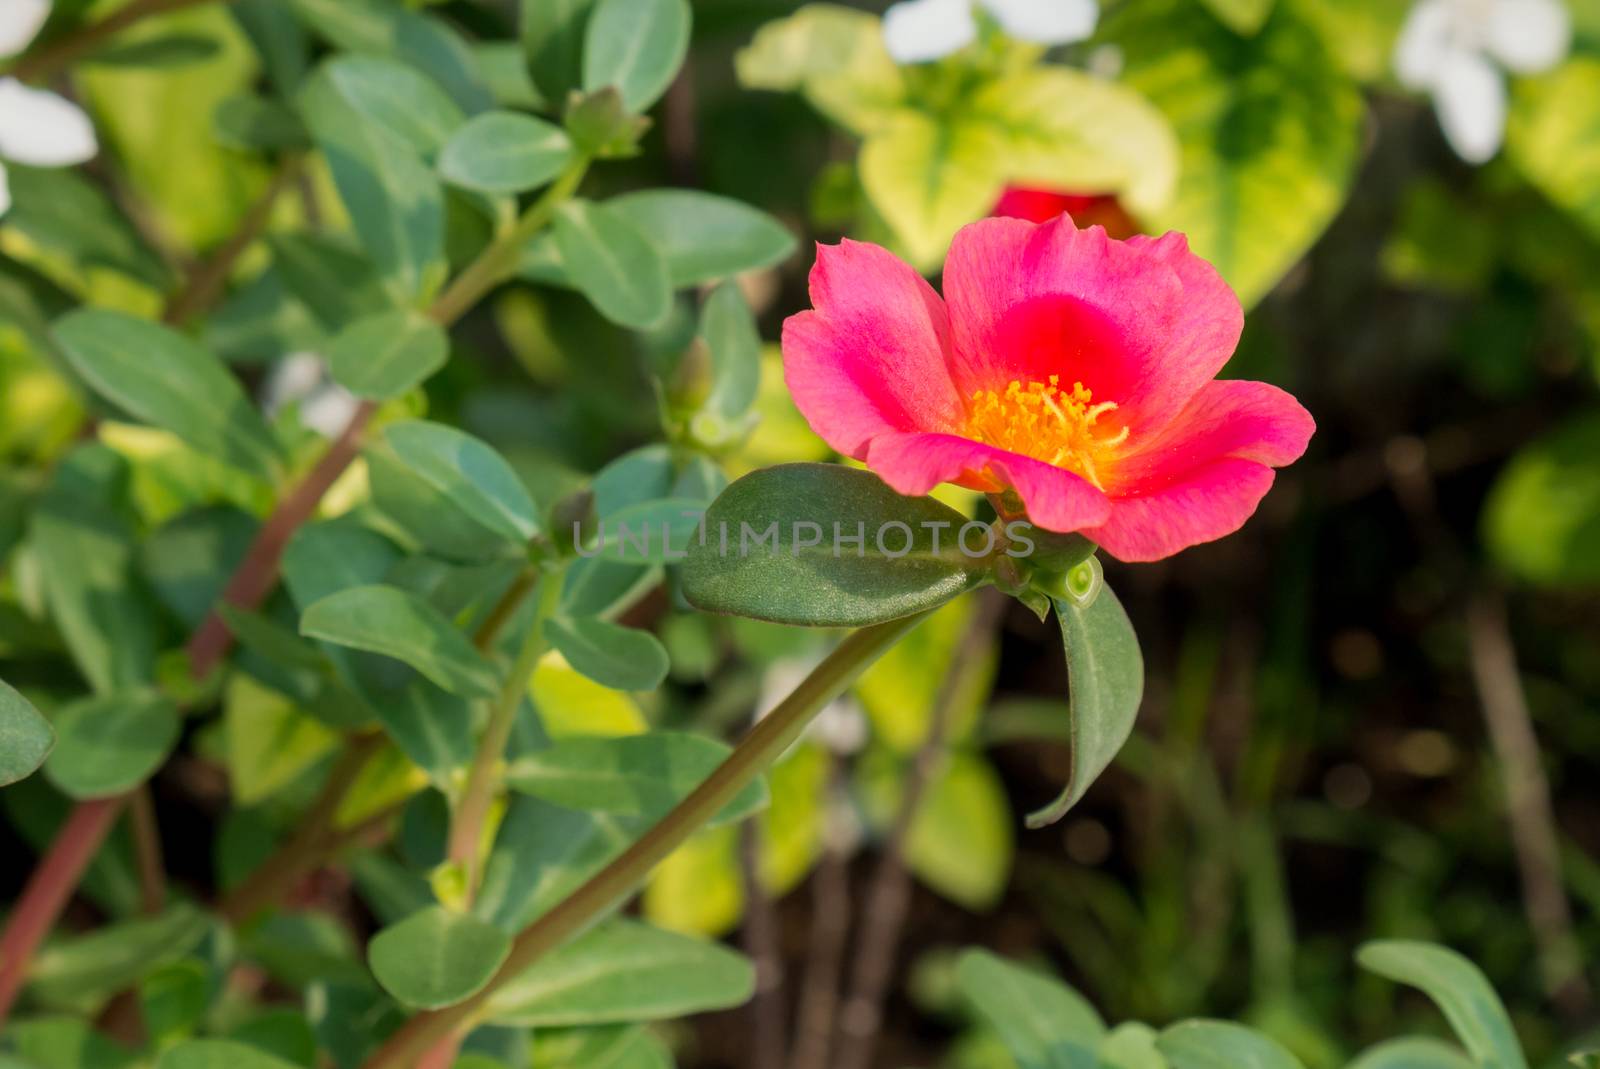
pixel 1071 368
pixel 1087 209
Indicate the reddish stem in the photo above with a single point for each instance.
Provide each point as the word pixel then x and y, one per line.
pixel 49 888
pixel 256 575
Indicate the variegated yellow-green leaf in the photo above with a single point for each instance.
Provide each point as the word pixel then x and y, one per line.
pixel 1554 136
pixel 836 56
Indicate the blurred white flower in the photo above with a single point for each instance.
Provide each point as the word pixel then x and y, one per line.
pixel 917 31
pixel 841 726
pixel 1455 50
pixel 302 379
pixel 37 127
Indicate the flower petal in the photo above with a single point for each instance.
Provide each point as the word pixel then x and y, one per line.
pixel 1424 42
pixel 1210 502
pixel 1046 22
pixel 870 358
pixel 41 129
pixel 20 23
pixel 1203 477
pixel 1470 97
pixel 1057 499
pixel 918 31
pixel 1529 36
pixel 1227 418
pixel 1143 323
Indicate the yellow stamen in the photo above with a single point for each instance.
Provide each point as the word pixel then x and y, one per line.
pixel 1043 421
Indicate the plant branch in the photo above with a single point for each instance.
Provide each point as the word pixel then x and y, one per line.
pixel 312 842
pixel 147 850
pixel 51 59
pixel 767 1042
pixel 884 916
pixel 205 283
pixel 483 779
pixel 1528 808
pixel 771 736
pixel 48 889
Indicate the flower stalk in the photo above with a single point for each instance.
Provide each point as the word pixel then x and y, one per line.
pixel 764 744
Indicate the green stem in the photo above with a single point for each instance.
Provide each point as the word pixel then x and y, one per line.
pixel 765 743
pixel 466 829
pixel 498 262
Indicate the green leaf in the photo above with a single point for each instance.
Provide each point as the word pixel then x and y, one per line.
pixel 834 54
pixel 160 377
pixel 57 1042
pixel 1067 129
pixel 622 658
pixel 330 276
pixel 25 736
pixel 785 580
pixel 383 356
pixel 629 775
pixel 397 99
pixel 928 177
pixel 173 1000
pixel 169 50
pixel 109 745
pixel 1551 136
pixel 728 329
pixel 1459 989
pixel 252 123
pixel 704 237
pixel 505 152
pixel 613 263
pixel 64 213
pixel 636 46
pixel 1413 1053
pixel 624 971
pixel 1106 679
pixel 1270 129
pixel 83 541
pixel 395 202
pixel 382 28
pixel 436 958
pixel 552 37
pixel 383 619
pixel 1131 1046
pixel 1242 16
pixel 82 972
pixel 1542 518
pixel 1222 1045
pixel 219 1054
pixel 466 473
pixel 1043 1023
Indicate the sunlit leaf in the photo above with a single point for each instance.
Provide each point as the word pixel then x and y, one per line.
pixel 1459 989
pixel 1044 1023
pixel 386 620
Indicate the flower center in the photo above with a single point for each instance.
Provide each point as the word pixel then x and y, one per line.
pixel 1043 421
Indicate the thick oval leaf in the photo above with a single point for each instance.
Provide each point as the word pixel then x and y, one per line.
pixel 1459 989
pixel 613 263
pixel 1551 136
pixel 505 152
pixel 219 1054
pixel 779 545
pixel 160 377
pixel 1413 1053
pixel 109 745
pixel 382 28
pixel 552 37
pixel 252 123
pixel 390 621
pixel 728 329
pixel 82 972
pixel 383 356
pixel 629 775
pixel 25 736
pixel 622 658
pixel 653 532
pixel 1043 1022
pixel 624 971
pixel 636 46
pixel 704 237
pixel 1106 682
pixel 398 99
pixel 436 958
pixel 1222 1045
pixel 1131 1045
pixel 468 474
pixel 396 203
pixel 1269 127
